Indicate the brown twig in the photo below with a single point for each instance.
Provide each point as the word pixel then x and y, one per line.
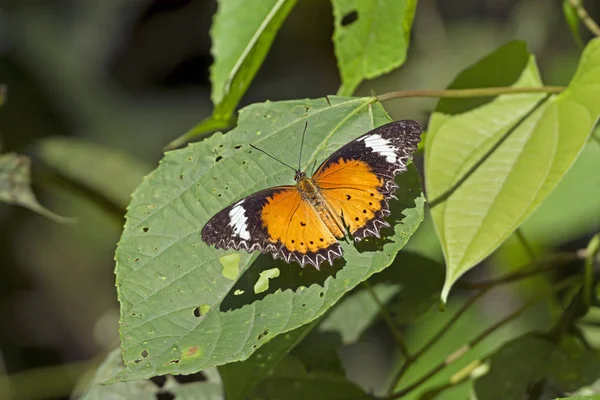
pixel 467 93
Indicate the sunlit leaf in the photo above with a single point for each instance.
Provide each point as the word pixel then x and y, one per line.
pixel 370 38
pixel 556 221
pixel 15 186
pixel 93 166
pixel 510 165
pixel 176 304
pixel 561 368
pixel 242 33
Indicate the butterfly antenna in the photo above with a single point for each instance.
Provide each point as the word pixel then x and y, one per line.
pixel 276 159
pixel 302 145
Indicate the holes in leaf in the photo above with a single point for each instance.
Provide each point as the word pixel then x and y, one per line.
pixel 173 362
pixel 197 312
pixel 321 294
pixel 137 361
pixel 219 158
pixel 244 162
pixel 349 18
pixel 136 260
pixel 159 380
pixel 263 334
pixel 144 353
pixel 181 177
pixel 219 195
pixel 145 229
pixel 237 147
pixel 165 396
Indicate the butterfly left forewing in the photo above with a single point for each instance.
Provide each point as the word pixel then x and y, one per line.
pixel 358 179
pixel 240 226
pixel 276 221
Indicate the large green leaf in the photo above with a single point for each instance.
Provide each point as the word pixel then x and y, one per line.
pixel 242 34
pixel 532 359
pixel 182 307
pixel 370 38
pixel 15 186
pixel 501 160
pixel 93 166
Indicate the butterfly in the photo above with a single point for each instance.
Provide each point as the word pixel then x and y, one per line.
pixel 347 195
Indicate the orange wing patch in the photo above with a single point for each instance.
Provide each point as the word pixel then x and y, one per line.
pixel 292 222
pixel 351 189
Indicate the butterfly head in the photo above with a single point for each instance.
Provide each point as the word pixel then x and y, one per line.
pixel 299 175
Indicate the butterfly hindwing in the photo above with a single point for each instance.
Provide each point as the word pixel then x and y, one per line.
pixel 275 221
pixel 358 179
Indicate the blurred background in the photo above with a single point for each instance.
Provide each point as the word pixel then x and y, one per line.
pixel 96 89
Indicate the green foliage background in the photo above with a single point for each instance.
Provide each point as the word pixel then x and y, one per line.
pixel 486 289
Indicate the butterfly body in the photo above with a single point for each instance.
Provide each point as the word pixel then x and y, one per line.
pixel 348 193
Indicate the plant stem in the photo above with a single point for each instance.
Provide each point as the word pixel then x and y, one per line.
pixel 483 335
pixel 444 196
pixel 585 17
pixel 529 270
pixel 525 243
pixel 535 267
pixel 593 248
pixel 385 314
pixel 466 93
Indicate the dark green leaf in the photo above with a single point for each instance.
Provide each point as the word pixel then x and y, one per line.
pixel 15 186
pixel 371 38
pixel 318 351
pixel 177 306
pixel 291 382
pixel 533 362
pixel 240 378
pixel 572 19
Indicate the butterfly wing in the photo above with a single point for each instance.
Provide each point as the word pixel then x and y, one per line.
pixel 358 179
pixel 276 221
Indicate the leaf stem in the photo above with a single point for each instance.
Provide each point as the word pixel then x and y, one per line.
pixel 466 93
pixel 483 335
pixel 385 314
pixel 585 17
pixel 444 196
pixel 592 250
